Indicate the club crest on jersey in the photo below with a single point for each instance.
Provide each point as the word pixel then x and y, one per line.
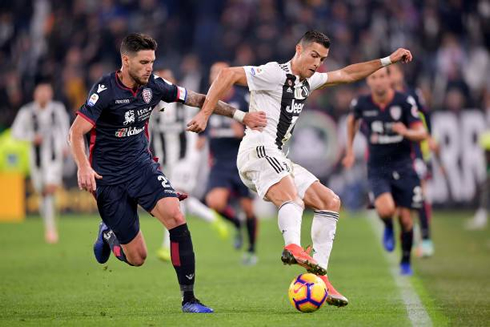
pixel 301 93
pixel 147 95
pixel 129 117
pixel 396 112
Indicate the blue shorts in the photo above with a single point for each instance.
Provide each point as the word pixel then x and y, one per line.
pixel 404 186
pixel 228 177
pixel 118 204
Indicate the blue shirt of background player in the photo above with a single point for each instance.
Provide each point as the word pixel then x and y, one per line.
pixel 118 142
pixel 387 149
pixel 223 143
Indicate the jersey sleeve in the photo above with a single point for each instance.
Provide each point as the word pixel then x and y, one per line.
pixel 22 126
pixel 355 108
pixel 317 80
pixel 411 111
pixel 169 91
pixel 265 77
pixel 99 98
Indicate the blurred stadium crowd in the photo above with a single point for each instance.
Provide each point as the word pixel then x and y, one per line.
pixel 72 43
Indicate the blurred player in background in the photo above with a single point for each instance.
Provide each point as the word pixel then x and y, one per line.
pixel 391 121
pixel 224 137
pixel 180 158
pixel 281 91
pixel 45 124
pixel 120 170
pixel 423 154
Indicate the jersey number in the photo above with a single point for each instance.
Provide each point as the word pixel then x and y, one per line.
pixel 417 195
pixel 164 181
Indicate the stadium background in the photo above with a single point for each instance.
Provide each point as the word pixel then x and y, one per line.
pixel 72 43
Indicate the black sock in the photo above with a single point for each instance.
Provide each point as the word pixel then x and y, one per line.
pixel 116 248
pixel 424 214
pixel 229 214
pixel 388 222
pixel 252 233
pixel 407 241
pixel 183 260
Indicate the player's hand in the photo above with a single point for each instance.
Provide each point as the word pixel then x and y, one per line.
pixel 399 128
pixel 38 139
pixel 86 178
pixel 348 160
pixel 401 55
pixel 198 123
pixel 255 120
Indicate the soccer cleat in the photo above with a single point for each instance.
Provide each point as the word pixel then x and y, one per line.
pixel 250 259
pixel 295 254
pixel 427 248
pixel 102 250
pixel 163 254
pixel 51 237
pixel 479 221
pixel 220 227
pixel 238 241
pixel 195 306
pixel 406 269
pixel 389 239
pixel 334 297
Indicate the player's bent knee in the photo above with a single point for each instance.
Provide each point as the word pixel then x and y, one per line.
pixel 215 203
pixel 333 202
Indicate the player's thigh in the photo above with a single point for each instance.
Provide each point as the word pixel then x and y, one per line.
pixel 320 197
pixel 118 211
pixel 217 198
pixel 167 211
pixel 385 205
pixel 264 170
pixel 135 251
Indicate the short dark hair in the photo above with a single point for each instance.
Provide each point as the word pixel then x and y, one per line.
pixel 135 42
pixel 315 36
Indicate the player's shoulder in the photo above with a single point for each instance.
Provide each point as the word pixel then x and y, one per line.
pixel 404 98
pixel 361 101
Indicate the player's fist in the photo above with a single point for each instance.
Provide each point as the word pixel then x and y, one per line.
pixel 255 120
pixel 348 160
pixel 402 55
pixel 198 123
pixel 86 178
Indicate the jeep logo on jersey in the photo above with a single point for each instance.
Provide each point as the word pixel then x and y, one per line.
pixel 147 95
pixel 129 117
pixel 396 112
pixel 295 108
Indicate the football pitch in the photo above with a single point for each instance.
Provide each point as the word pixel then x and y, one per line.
pixel 62 285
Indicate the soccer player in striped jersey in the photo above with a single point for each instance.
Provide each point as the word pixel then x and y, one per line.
pixel 281 91
pixel 45 124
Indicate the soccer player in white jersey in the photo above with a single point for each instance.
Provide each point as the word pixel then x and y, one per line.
pixel 281 90
pixel 45 124
pixel 179 155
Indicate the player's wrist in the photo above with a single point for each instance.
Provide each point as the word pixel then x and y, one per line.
pixel 239 116
pixel 386 61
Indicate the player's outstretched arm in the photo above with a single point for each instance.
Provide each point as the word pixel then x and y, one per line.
pixel 86 175
pixel 356 72
pixel 223 82
pixel 254 120
pixel 352 128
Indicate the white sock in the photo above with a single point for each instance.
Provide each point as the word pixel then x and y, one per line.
pixel 289 219
pixel 166 239
pixel 47 213
pixel 323 234
pixel 199 209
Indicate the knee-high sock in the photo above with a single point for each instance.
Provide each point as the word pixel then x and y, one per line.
pixel 251 232
pixel 322 234
pixel 198 209
pixel 111 239
pixel 47 213
pixel 229 214
pixel 424 218
pixel 183 260
pixel 407 241
pixel 289 219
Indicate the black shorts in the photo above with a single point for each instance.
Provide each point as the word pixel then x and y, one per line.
pixel 118 204
pixel 403 184
pixel 227 177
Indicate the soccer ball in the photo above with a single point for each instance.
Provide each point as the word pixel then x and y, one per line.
pixel 307 293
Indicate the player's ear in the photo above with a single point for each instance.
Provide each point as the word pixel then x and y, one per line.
pixel 299 48
pixel 125 59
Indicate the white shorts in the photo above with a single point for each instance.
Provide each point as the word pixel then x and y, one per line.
pixel 263 166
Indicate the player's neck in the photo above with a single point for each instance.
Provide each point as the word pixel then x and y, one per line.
pixel 383 100
pixel 127 80
pixel 294 69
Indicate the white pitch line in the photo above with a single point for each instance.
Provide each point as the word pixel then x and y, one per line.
pixel 415 309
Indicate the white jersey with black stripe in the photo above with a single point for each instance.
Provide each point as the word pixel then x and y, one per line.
pixel 275 90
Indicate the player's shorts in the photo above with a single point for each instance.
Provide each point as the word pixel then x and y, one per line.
pixel 48 174
pixel 263 166
pixel 118 204
pixel 404 186
pixel 227 177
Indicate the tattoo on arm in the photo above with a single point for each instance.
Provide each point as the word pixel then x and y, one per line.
pixel 197 100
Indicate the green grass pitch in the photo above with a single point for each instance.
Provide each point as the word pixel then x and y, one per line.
pixel 62 285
